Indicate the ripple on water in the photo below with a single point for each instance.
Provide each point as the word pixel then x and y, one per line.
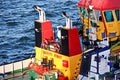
pixel 17 24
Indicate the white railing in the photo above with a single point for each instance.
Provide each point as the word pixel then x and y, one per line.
pixel 14 66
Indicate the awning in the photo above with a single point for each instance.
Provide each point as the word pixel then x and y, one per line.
pixel 100 4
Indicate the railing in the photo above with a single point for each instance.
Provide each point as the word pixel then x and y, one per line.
pixel 11 68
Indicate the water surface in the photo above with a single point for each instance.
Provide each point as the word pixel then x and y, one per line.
pixel 17 24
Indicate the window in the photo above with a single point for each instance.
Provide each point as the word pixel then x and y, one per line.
pixel 91 14
pixel 112 33
pixel 83 11
pixel 98 15
pixel 117 12
pixel 93 24
pixel 108 16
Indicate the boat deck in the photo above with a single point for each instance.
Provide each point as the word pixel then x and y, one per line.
pixel 15 71
pixel 17 76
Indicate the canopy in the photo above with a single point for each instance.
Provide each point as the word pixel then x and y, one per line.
pixel 100 4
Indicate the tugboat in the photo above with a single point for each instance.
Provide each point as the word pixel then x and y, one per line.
pixel 101 31
pixel 64 58
pixel 61 56
pixel 55 59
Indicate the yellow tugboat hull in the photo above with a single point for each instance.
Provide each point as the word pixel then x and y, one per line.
pixel 69 66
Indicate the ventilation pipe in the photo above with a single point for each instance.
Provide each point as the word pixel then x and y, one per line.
pixel 41 12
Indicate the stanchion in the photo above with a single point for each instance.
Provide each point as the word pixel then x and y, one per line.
pixel 22 66
pixel 13 68
pixel 3 70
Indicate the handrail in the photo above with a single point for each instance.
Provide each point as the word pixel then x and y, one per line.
pixel 12 67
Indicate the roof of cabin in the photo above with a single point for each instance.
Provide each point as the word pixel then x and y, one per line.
pixel 100 4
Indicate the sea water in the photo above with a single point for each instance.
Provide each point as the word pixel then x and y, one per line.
pixel 17 38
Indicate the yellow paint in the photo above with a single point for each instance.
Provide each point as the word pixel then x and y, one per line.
pixel 100 30
pixel 119 28
pixel 112 27
pixel 73 68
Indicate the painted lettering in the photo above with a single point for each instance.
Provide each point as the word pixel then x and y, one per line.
pixel 57 56
pixel 47 53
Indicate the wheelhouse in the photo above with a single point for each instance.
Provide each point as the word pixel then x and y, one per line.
pixel 103 15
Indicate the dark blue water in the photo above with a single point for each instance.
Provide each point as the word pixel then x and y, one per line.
pixel 17 24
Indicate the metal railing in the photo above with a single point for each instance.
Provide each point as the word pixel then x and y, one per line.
pixel 13 68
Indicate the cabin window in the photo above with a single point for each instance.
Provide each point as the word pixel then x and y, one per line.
pixel 91 14
pixel 117 12
pixel 93 24
pixel 108 16
pixel 98 15
pixel 83 11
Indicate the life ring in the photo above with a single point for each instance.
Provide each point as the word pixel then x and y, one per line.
pixel 45 44
pixel 56 47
